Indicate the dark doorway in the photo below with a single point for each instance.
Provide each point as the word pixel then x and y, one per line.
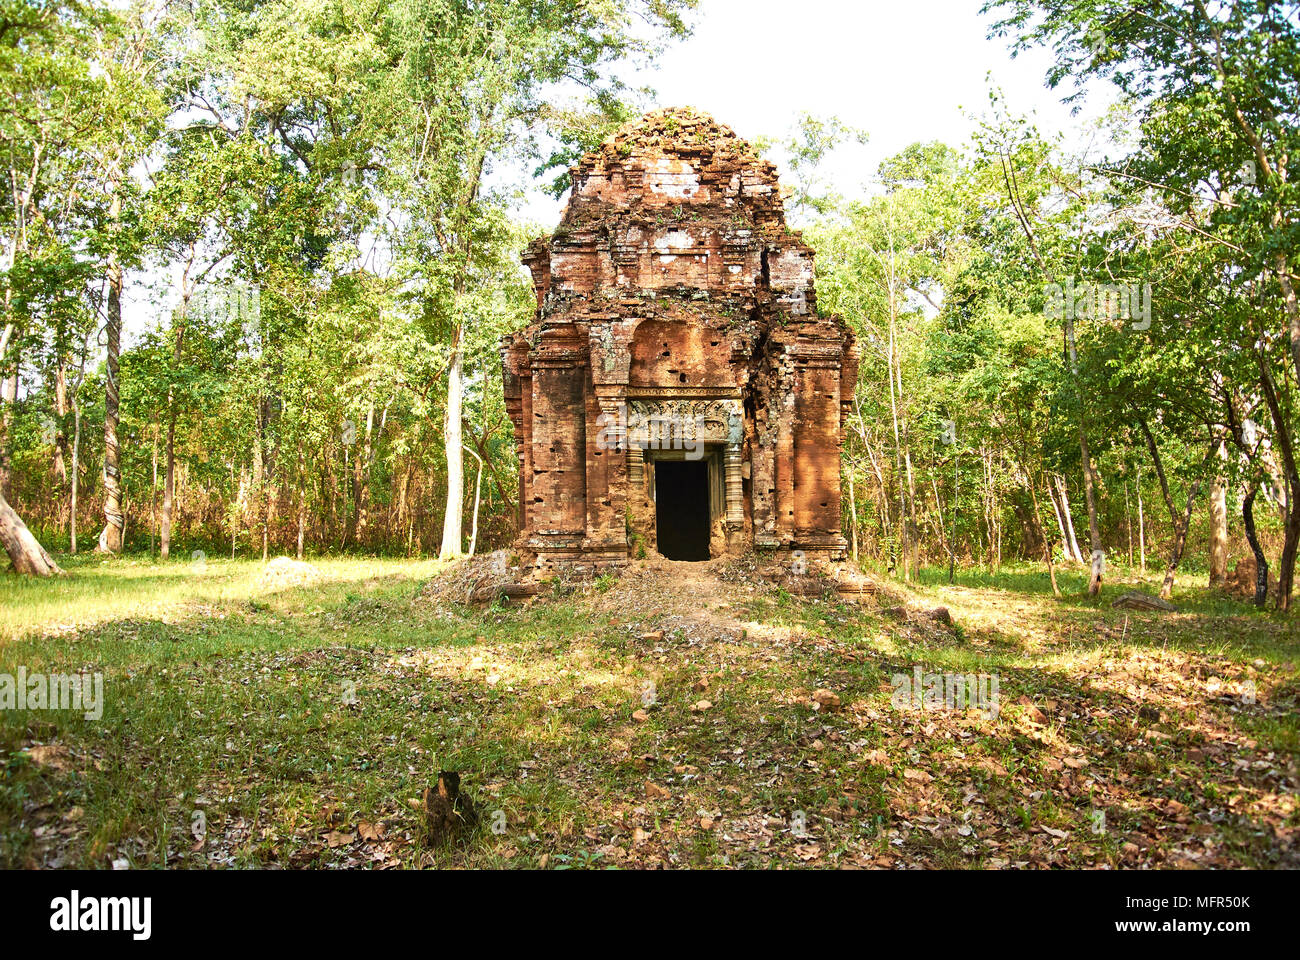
pixel 682 509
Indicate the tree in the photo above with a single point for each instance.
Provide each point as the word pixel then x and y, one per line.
pixel 131 114
pixel 50 99
pixel 1215 89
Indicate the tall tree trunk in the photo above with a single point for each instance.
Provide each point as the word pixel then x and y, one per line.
pixel 1042 534
pixel 895 398
pixel 110 538
pixel 1064 491
pixel 1060 522
pixel 153 491
pixel 169 478
pixel 1261 561
pixel 361 476
pixel 1291 305
pixel 914 527
pixel 1142 530
pixel 27 556
pixel 60 415
pixel 8 403
pixel 1219 521
pixel 1180 542
pixel 1128 523
pixel 169 483
pixel 478 486
pixel 453 520
pixel 853 514
pixel 76 475
pixel 302 518
pixel 1096 551
pixel 1089 470
pixel 1282 434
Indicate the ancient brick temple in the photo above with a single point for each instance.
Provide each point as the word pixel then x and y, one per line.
pixel 677 391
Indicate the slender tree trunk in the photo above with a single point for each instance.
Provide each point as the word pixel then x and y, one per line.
pixel 169 479
pixel 1180 542
pixel 1042 533
pixel 1089 470
pixel 1095 549
pixel 853 514
pixel 1060 522
pixel 1064 491
pixel 76 476
pixel 110 538
pixel 895 398
pixel 1292 307
pixel 8 402
pixel 153 492
pixel 1261 561
pixel 1142 534
pixel 1219 521
pixel 478 486
pixel 361 476
pixel 169 484
pixel 952 554
pixel 453 515
pixel 60 426
pixel 914 528
pixel 302 502
pixel 1282 436
pixel 302 518
pixel 1128 523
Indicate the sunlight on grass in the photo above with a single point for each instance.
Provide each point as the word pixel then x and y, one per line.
pixel 99 590
pixel 607 728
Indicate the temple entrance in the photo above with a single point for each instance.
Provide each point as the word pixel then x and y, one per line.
pixel 682 509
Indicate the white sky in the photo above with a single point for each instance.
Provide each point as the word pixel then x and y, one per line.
pixel 902 70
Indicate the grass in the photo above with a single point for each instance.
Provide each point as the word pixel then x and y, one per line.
pixel 247 724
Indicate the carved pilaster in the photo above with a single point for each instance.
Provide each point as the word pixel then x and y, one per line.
pixel 735 488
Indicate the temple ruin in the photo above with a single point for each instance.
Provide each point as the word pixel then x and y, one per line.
pixel 677 390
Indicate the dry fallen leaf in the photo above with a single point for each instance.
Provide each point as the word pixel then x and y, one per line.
pixel 337 838
pixel 826 699
pixel 54 755
pixel 808 851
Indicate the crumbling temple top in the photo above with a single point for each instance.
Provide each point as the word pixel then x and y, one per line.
pixel 677 390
